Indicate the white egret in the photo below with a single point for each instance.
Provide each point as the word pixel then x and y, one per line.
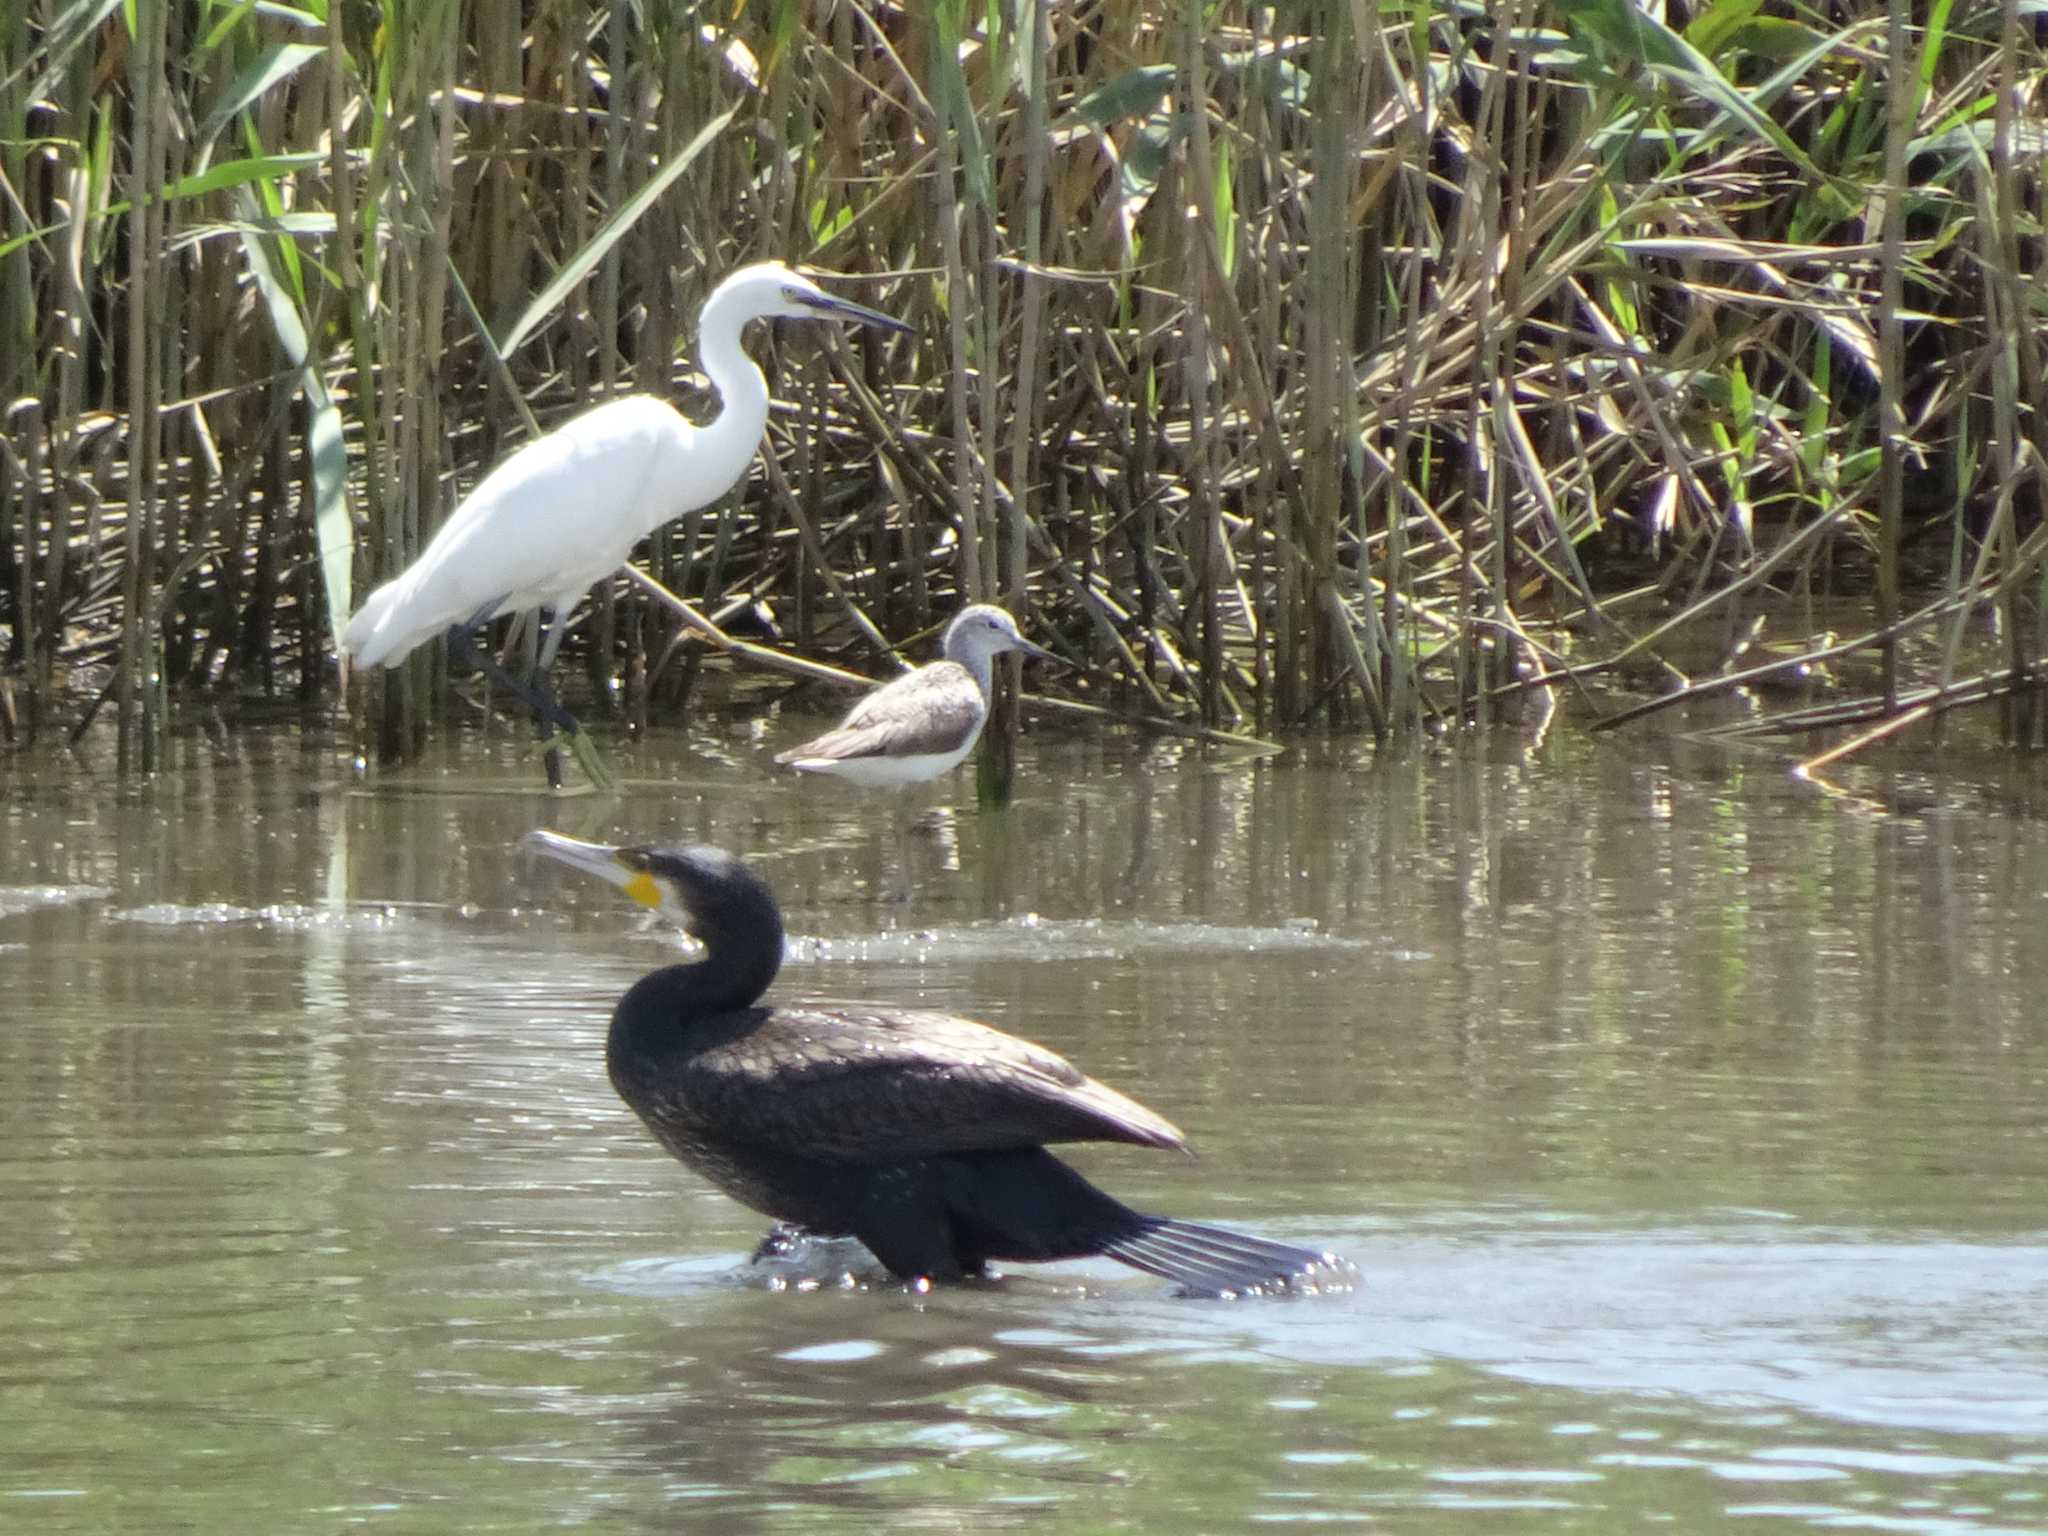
pixel 565 510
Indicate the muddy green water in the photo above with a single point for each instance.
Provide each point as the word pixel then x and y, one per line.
pixel 1689 1128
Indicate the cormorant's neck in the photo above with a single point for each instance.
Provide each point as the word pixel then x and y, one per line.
pixel 662 1005
pixel 743 943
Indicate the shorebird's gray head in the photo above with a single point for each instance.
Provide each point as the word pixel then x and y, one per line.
pixel 981 632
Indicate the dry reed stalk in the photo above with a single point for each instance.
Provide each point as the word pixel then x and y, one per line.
pixel 137 716
pixel 1481 327
pixel 1026 414
pixel 1893 440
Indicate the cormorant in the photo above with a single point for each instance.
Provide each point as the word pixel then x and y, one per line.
pixel 922 1134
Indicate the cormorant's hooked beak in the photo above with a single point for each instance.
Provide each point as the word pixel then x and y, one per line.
pixel 828 306
pixel 625 868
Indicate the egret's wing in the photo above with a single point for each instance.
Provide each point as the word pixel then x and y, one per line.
pixel 923 713
pixel 858 1085
pixel 561 512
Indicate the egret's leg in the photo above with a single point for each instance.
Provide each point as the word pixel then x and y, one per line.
pixel 534 694
pixel 463 650
pixel 550 754
pixel 579 743
pixel 551 642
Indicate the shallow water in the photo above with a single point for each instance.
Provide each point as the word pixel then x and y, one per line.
pixel 1688 1126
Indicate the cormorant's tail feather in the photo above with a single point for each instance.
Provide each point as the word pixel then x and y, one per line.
pixel 1215 1261
pixel 1025 1204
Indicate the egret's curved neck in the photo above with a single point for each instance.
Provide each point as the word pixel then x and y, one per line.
pixel 725 445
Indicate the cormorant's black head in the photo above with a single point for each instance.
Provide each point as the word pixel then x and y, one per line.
pixel 707 892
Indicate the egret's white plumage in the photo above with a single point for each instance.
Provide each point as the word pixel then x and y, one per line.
pixel 531 534
pixel 925 722
pixel 566 510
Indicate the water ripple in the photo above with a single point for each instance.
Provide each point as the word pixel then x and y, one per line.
pixel 16 899
pixel 1031 937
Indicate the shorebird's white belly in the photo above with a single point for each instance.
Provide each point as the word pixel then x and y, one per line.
pixel 880 772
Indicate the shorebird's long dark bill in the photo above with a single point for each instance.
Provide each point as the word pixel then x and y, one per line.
pixel 831 306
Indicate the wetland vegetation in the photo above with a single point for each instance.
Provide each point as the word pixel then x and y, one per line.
pixel 1306 365
pixel 1337 372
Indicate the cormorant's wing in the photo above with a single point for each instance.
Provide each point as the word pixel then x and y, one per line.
pixel 923 713
pixel 870 1085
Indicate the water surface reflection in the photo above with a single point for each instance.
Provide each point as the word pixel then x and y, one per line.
pixel 1687 1126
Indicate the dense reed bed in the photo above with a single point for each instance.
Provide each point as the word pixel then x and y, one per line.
pixel 1308 365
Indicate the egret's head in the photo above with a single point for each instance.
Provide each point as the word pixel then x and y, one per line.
pixel 982 629
pixel 770 289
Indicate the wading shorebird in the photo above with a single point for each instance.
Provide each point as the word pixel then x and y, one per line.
pixel 922 724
